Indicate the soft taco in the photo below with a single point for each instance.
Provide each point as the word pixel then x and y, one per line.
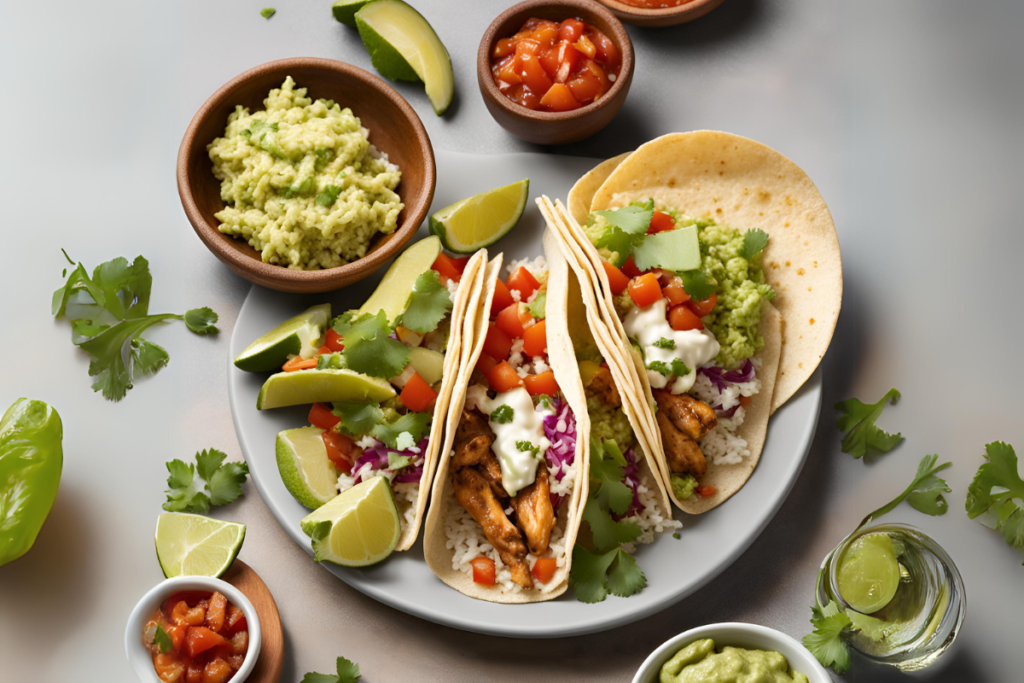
pixel 506 501
pixel 716 270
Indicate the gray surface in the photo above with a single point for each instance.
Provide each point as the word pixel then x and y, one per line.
pixel 673 568
pixel 907 115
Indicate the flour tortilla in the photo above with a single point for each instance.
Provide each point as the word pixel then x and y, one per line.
pixel 582 193
pixel 745 184
pixel 435 550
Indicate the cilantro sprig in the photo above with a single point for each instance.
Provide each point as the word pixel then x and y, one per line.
pixel 370 350
pixel 210 482
pixel 358 418
pixel 429 303
pixel 862 437
pixel 538 307
pixel 826 642
pixel 924 493
pixel 996 492
pixel 347 672
pixel 754 240
pixel 109 311
pixel 416 424
pixel 162 640
pixel 503 414
pixel 625 229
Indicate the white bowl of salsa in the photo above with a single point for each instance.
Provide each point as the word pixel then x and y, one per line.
pixel 735 634
pixel 140 656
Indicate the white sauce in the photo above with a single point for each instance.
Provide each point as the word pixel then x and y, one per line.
pixel 649 325
pixel 518 468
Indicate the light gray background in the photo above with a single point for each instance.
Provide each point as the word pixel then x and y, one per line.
pixel 907 115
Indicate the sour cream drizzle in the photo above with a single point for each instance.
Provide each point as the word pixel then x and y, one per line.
pixel 518 468
pixel 649 325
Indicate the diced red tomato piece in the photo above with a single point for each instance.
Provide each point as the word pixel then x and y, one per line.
pixel 539 385
pixel 535 339
pixel 585 86
pixel 497 344
pixel 681 318
pixel 675 293
pixel 586 46
pixel 559 98
pixel 532 73
pixel 417 395
pixel 546 34
pixel 745 401
pixel 168 667
pixel 194 674
pixel 322 350
pixel 544 569
pixel 523 96
pixel 513 320
pixel 571 30
pixel 200 639
pixel 607 51
pixel 503 378
pixel 240 643
pixel 334 341
pixel 320 415
pixel 630 269
pixel 460 263
pixel 703 308
pixel 502 298
pixel 182 614
pixel 617 280
pixel 339 449
pixel 298 363
pixel 483 570
pixel 644 290
pixel 505 72
pixel 445 267
pixel 705 491
pixel 485 363
pixel 234 621
pixel 524 281
pixel 217 671
pixel 503 48
pixel 217 611
pixel 660 222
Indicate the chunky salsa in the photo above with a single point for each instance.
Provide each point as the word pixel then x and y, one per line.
pixel 549 66
pixel 654 4
pixel 197 637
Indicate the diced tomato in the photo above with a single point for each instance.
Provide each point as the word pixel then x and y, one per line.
pixel 523 96
pixel 502 298
pixel 240 643
pixel 234 621
pixel 503 48
pixel 535 339
pixel 298 363
pixel 194 674
pixel 705 491
pixel 681 318
pixel 417 395
pixel 339 449
pixel 617 280
pixel 483 570
pixel 460 263
pixel 322 350
pixel 675 293
pixel 559 98
pixel 217 671
pixel 549 60
pixel 182 614
pixel 503 378
pixel 216 613
pixel 532 73
pixel 562 60
pixel 177 634
pixel 630 269
pixel 497 344
pixel 524 281
pixel 525 47
pixel 660 222
pixel 607 51
pixel 585 46
pixel 513 320
pixel 505 72
pixel 703 308
pixel 585 86
pixel 539 385
pixel 320 415
pixel 169 667
pixel 485 363
pixel 445 267
pixel 546 34
pixel 333 341
pixel 200 639
pixel 571 30
pixel 644 290
pixel 544 569
pixel 745 401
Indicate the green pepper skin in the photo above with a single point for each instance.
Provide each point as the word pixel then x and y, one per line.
pixel 31 459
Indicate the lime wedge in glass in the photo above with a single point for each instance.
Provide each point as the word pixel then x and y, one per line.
pixel 358 528
pixel 194 545
pixel 294 337
pixel 345 10
pixel 395 288
pixel 404 47
pixel 306 471
pixel 321 386
pixel 869 573
pixel 480 220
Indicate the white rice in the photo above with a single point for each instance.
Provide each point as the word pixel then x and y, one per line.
pixel 722 445
pixel 406 496
pixel 650 518
pixel 538 267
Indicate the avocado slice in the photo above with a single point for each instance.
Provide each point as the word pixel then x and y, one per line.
pixel 393 292
pixel 321 386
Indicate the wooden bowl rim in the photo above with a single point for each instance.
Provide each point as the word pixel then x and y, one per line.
pixel 621 38
pixel 662 12
pixel 216 241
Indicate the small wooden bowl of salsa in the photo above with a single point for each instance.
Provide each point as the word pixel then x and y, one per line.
pixel 660 12
pixel 555 72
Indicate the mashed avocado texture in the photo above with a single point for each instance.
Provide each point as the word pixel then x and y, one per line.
pixel 301 182
pixel 699 663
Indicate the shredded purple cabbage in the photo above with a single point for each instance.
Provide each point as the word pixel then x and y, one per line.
pixel 377 456
pixel 631 478
pixel 720 377
pixel 562 450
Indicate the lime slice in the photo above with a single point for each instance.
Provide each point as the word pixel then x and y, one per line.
pixel 358 528
pixel 294 337
pixel 194 545
pixel 869 573
pixel 404 47
pixel 482 219
pixel 321 386
pixel 393 292
pixel 307 472
pixel 345 10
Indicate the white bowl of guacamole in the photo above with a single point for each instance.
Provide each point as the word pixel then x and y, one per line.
pixel 736 647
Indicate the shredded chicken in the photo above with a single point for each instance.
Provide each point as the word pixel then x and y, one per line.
pixel 534 514
pixel 682 453
pixel 682 420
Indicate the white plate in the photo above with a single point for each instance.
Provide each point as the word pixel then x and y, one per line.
pixel 674 568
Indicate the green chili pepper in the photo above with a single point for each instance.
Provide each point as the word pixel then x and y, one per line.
pixel 30 463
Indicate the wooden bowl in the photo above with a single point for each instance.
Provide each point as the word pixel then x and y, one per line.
pixel 666 16
pixel 394 128
pixel 554 128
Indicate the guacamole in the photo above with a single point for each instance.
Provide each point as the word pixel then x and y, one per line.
pixel 699 663
pixel 301 182
pixel 683 485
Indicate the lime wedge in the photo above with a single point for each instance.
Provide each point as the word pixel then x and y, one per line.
pixel 294 337
pixel 358 528
pixel 393 292
pixel 869 573
pixel 194 545
pixel 482 219
pixel 306 471
pixel 321 386
pixel 345 10
pixel 404 47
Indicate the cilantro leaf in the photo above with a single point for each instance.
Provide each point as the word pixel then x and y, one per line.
pixel 826 642
pixel 696 284
pixel 606 531
pixel 618 242
pixel 149 357
pixel 414 423
pixel 201 320
pixel 625 578
pixel 397 462
pixel 503 414
pixel 162 640
pixel 924 493
pixel 348 672
pixel 660 367
pixel 858 421
pixel 114 355
pixel 754 240
pixel 328 196
pixel 358 418
pixel 589 574
pixel 679 368
pixel 343 323
pixel 996 490
pixel 369 349
pixel 634 219
pixel 194 488
pixel 676 250
pixel 429 303
pixel 538 308
pixel 330 361
pixel 606 484
pixel 664 343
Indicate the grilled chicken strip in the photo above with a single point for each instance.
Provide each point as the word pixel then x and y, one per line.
pixel 682 452
pixel 691 416
pixel 603 385
pixel 534 514
pixel 491 469
pixel 473 439
pixel 473 492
